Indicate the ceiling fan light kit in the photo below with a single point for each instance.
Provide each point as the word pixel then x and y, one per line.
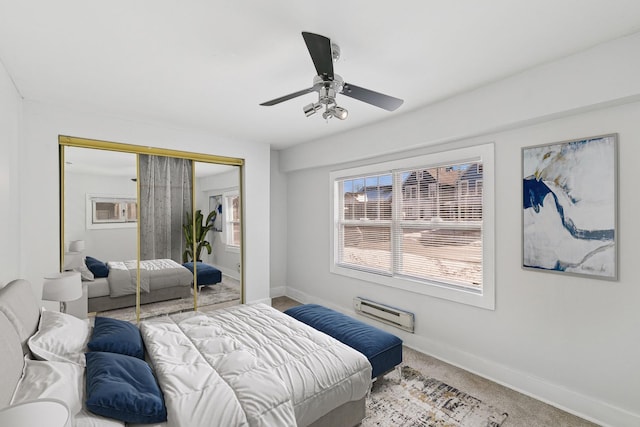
pixel 327 91
pixel 323 52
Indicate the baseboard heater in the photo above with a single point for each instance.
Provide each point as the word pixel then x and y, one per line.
pixel 384 313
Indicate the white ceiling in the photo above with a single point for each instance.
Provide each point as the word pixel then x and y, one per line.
pixel 207 64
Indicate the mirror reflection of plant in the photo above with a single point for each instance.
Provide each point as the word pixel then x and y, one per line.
pixel 199 236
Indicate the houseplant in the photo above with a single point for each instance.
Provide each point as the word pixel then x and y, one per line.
pixel 197 236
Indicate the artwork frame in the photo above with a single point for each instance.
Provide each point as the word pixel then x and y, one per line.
pixel 215 202
pixel 570 207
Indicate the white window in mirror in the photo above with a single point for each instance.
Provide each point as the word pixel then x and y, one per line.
pixel 232 220
pixel 111 211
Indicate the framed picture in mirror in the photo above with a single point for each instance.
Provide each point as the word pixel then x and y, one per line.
pixel 215 203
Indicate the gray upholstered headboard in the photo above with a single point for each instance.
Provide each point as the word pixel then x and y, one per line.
pixel 19 316
pixel 11 360
pixel 20 305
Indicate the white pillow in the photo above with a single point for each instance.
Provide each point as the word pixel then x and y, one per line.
pixel 52 380
pixel 85 273
pixel 61 338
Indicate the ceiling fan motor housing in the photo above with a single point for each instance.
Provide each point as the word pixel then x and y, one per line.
pixel 328 88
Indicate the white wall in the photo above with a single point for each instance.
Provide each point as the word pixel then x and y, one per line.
pixel 10 117
pixel 42 125
pixel 106 244
pixel 567 340
pixel 224 259
pixel 279 217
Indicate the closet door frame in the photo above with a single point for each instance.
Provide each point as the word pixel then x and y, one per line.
pixel 71 141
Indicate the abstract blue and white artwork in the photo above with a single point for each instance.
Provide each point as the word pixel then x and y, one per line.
pixel 569 207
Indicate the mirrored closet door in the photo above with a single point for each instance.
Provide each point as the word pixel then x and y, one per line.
pixel 152 231
pixel 218 225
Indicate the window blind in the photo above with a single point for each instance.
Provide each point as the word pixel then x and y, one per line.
pixel 233 219
pixel 424 224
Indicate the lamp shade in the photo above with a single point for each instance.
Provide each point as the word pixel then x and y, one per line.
pixel 76 246
pixel 66 286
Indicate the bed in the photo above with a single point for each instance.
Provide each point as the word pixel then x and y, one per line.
pixel 247 365
pixel 112 285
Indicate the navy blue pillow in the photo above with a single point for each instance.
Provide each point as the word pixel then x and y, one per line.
pixel 116 336
pixel 124 388
pixel 97 267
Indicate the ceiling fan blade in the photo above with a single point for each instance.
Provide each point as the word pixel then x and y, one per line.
pixel 320 51
pixel 378 99
pixel 290 96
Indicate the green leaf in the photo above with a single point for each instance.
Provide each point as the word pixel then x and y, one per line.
pixel 197 235
pixel 211 217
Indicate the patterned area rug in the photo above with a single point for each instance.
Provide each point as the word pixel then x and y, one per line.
pixel 226 291
pixel 419 401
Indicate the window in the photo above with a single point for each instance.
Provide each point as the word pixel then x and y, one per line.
pixel 106 211
pixel 422 224
pixel 232 220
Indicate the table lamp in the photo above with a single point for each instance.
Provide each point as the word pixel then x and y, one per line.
pixel 63 287
pixel 74 259
pixel 76 246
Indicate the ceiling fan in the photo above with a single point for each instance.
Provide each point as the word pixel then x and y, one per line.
pixel 328 84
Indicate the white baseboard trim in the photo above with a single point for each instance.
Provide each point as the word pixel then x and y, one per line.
pixel 298 295
pixel 278 291
pixel 228 272
pixel 583 406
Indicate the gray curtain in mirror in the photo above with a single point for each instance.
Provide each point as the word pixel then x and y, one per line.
pixel 165 205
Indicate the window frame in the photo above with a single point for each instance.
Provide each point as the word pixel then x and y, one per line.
pixel 484 298
pixel 230 246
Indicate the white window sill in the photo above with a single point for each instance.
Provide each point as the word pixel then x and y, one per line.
pixel 477 298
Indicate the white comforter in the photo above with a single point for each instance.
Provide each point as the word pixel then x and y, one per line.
pixel 154 274
pixel 250 365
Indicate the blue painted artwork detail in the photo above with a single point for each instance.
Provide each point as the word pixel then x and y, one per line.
pixel 534 194
pixel 569 200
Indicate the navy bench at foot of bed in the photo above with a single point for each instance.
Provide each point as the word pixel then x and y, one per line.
pixel 384 350
pixel 206 274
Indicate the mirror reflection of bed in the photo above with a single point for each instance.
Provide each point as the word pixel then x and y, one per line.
pixel 112 197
